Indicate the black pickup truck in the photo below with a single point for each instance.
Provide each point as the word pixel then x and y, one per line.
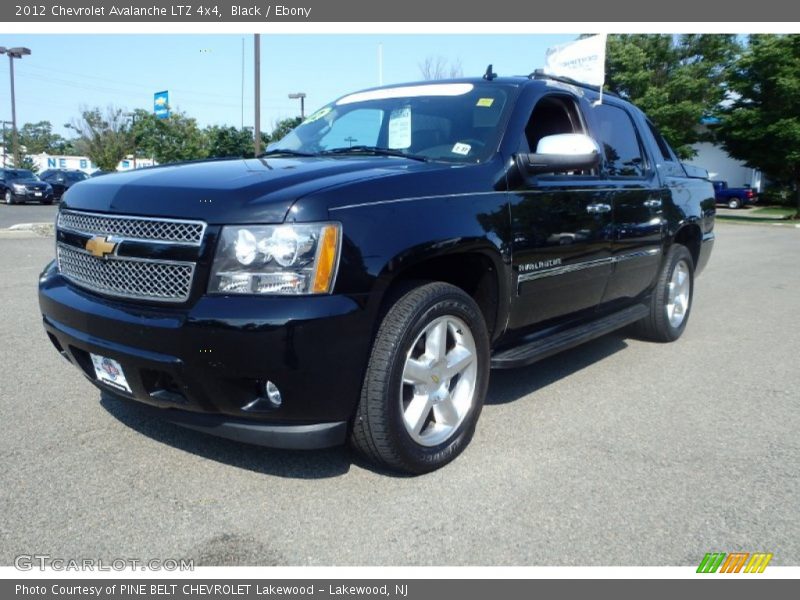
pixel 359 280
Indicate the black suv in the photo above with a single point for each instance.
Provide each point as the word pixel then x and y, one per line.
pixel 62 179
pixel 21 185
pixel 359 280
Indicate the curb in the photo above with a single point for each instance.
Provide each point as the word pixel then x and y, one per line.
pixel 40 229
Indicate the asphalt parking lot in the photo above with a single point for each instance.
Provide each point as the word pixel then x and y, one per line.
pixel 616 453
pixel 26 213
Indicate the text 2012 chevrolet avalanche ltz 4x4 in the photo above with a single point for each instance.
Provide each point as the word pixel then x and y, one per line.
pixel 359 280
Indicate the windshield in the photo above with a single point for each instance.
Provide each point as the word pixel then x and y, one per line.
pixel 457 122
pixel 20 174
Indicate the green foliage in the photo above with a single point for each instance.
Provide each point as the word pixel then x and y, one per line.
pixel 38 138
pixel 761 126
pixel 26 162
pixel 229 141
pixel 675 80
pixel 174 139
pixel 283 127
pixel 102 136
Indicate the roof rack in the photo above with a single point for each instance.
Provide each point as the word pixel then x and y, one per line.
pixel 540 74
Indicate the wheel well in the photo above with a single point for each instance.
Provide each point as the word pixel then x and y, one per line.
pixel 691 237
pixel 473 273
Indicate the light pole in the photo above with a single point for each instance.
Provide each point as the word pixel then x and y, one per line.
pixel 13 53
pixel 302 97
pixel 257 85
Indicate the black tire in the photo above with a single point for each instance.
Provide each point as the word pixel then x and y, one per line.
pixel 378 431
pixel 734 203
pixel 657 326
pixel 9 197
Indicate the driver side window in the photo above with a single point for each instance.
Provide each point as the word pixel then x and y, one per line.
pixel 553 115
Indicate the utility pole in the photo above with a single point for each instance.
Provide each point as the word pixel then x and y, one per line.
pixel 257 73
pixel 241 126
pixel 13 53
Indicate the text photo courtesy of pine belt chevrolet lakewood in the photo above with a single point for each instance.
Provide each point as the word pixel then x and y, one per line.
pixel 357 282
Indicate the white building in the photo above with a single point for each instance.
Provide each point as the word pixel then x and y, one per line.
pixel 80 163
pixel 721 167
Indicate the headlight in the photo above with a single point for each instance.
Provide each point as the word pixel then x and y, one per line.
pixel 18 187
pixel 276 259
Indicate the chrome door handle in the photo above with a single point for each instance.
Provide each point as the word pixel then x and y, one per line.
pixel 594 209
pixel 653 203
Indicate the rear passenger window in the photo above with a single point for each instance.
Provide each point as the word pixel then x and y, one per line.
pixel 660 142
pixel 623 154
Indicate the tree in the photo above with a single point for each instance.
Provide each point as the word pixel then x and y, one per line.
pixel 436 67
pixel 169 140
pixel 103 137
pixel 283 127
pixel 676 80
pixel 761 123
pixel 229 141
pixel 38 138
pixel 26 162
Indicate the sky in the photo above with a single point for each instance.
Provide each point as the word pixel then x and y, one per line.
pixel 203 73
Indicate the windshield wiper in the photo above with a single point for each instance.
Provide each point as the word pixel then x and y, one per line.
pixel 376 150
pixel 285 152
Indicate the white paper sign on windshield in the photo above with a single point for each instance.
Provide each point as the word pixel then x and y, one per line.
pixel 400 129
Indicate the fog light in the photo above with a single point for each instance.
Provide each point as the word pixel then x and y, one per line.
pixel 273 394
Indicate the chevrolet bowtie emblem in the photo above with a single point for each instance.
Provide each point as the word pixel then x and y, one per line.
pixel 100 246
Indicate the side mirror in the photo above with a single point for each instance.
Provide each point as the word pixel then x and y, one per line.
pixel 562 152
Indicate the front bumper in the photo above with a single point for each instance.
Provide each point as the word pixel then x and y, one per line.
pixel 29 195
pixel 205 365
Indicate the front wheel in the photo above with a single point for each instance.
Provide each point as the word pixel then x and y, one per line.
pixel 9 197
pixel 671 301
pixel 426 380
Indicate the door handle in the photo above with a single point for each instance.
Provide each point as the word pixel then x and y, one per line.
pixel 653 203
pixel 595 209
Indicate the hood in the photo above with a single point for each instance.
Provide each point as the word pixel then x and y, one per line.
pixel 231 190
pixel 34 183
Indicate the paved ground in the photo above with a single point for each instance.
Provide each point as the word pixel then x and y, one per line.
pixel 617 453
pixel 26 213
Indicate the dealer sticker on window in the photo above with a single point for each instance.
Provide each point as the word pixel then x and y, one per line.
pixel 109 371
pixel 461 148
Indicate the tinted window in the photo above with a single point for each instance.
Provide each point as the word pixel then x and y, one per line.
pixel 623 154
pixel 11 175
pixel 360 127
pixel 454 122
pixel 660 142
pixel 76 176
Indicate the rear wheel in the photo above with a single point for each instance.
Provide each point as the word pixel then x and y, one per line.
pixel 671 301
pixel 734 203
pixel 425 382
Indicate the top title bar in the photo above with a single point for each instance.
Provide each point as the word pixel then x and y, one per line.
pixel 449 11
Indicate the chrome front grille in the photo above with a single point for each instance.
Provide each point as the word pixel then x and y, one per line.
pixel 165 281
pixel 175 231
pixel 115 274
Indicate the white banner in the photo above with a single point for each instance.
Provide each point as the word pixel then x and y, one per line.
pixel 583 60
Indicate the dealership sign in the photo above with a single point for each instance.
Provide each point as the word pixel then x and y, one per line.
pixel 161 104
